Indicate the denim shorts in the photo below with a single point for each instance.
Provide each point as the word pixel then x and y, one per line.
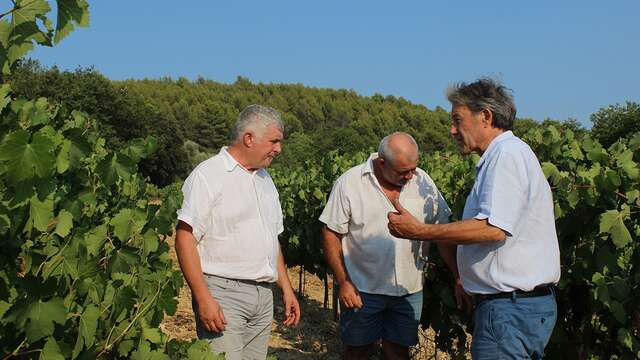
pixel 392 318
pixel 513 328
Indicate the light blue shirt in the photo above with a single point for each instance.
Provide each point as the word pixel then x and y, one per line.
pixel 513 194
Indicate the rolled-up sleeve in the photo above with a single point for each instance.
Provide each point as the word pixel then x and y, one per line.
pixel 196 205
pixel 337 212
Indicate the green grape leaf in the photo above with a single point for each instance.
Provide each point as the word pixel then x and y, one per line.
pixel 127 223
pixel 200 350
pixel 140 148
pixel 18 50
pixel 4 306
pixel 28 10
pixel 71 13
pixel 318 194
pixel 89 324
pixel 551 172
pixel 25 160
pixel 35 113
pixel 5 224
pixel 40 318
pixel 632 196
pixel 612 180
pixel 65 223
pixel 125 347
pixel 122 261
pixel 115 166
pixel 167 301
pixel 95 238
pixel 618 311
pixel 154 335
pixel 625 338
pixel 62 160
pixel 5 32
pixel 40 213
pixel 611 222
pixel 634 143
pixel 5 89
pixel 150 242
pixel 51 351
pixel 625 161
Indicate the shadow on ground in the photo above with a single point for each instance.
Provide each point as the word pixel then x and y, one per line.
pixel 316 337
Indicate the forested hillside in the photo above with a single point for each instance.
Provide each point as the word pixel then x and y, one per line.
pixel 191 117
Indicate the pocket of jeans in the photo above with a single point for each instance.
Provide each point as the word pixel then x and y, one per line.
pixel 498 322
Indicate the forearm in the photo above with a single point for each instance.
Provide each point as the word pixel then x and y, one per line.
pixel 189 261
pixel 470 231
pixel 448 254
pixel 283 277
pixel 332 247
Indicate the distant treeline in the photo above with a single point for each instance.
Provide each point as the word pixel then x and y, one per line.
pixel 192 119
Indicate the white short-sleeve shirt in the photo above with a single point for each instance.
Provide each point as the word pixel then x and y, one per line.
pixel 376 261
pixel 513 194
pixel 236 218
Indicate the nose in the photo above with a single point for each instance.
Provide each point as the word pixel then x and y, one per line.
pixel 277 148
pixel 453 130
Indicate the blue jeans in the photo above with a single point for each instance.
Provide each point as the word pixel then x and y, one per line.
pixel 515 328
pixel 392 318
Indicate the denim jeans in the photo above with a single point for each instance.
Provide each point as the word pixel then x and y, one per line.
pixel 513 328
pixel 392 318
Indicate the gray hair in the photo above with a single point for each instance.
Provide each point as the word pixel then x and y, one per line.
pixel 388 152
pixel 256 118
pixel 485 94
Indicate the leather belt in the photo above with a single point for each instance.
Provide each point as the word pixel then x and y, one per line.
pixel 542 290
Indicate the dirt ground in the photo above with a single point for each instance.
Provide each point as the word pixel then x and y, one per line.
pixel 316 337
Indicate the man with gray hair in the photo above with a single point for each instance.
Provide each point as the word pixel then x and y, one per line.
pixel 505 250
pixel 227 240
pixel 379 275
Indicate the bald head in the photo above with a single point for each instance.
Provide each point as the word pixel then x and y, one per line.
pixel 398 146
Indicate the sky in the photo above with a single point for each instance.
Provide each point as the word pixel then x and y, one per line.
pixel 562 59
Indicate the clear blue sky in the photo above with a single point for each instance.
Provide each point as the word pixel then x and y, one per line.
pixel 562 58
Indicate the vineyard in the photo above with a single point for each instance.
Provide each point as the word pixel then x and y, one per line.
pixel 85 270
pixel 597 206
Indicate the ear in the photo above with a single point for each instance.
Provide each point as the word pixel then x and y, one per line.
pixel 248 139
pixel 487 117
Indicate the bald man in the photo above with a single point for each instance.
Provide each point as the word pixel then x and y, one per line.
pixel 380 276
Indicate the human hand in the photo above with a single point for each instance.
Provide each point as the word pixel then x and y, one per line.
pixel 463 299
pixel 291 308
pixel 349 295
pixel 401 223
pixel 211 314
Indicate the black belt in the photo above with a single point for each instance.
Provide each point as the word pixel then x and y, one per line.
pixel 542 290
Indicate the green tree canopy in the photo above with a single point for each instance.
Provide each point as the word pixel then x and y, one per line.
pixel 616 122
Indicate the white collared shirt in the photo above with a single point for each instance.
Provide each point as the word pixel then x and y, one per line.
pixel 236 218
pixel 376 261
pixel 512 193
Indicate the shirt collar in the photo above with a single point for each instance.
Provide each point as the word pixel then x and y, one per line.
pixel 498 139
pixel 229 162
pixel 368 166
